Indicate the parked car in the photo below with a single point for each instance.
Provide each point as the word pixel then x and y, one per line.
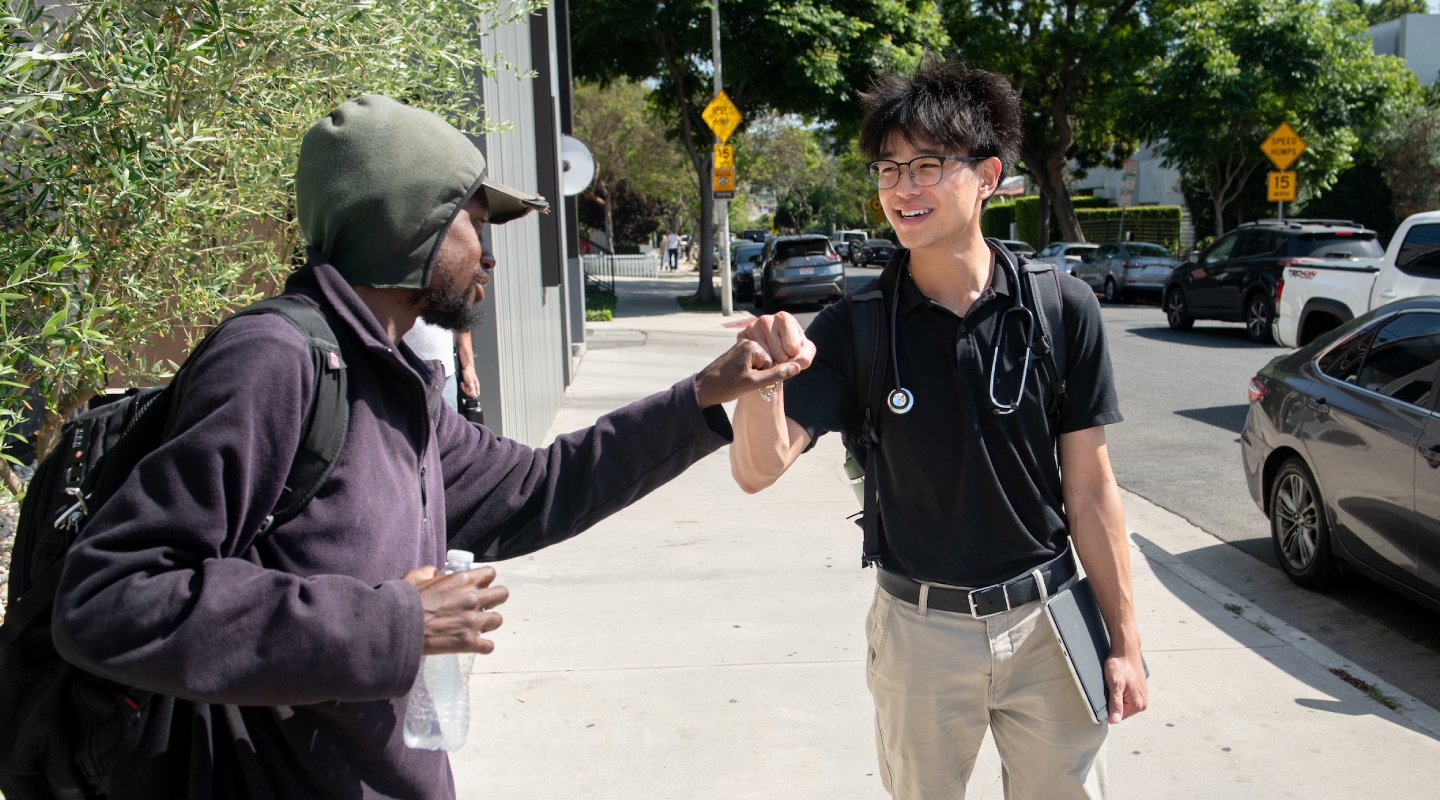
pixel 874 251
pixel 1018 247
pixel 1120 269
pixel 1065 255
pixel 755 235
pixel 842 241
pixel 1339 276
pixel 742 279
pixel 1341 450
pixel 798 269
pixel 1237 277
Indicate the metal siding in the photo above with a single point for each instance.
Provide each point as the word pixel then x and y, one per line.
pixel 519 350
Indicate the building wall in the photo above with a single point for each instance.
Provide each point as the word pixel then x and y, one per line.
pixel 1413 37
pixel 1156 184
pixel 519 350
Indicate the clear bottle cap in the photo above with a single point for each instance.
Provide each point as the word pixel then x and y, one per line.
pixel 457 560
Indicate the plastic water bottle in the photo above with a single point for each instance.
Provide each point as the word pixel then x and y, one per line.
pixel 437 714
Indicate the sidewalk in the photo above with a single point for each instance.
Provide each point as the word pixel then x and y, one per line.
pixel 705 643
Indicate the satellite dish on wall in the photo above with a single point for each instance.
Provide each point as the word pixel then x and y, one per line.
pixel 577 164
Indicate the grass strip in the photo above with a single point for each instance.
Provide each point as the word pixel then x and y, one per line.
pixel 1368 688
pixel 687 303
pixel 599 306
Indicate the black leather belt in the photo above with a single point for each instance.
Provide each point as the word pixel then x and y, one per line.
pixel 1058 574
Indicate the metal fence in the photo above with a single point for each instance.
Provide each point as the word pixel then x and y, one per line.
pixel 627 266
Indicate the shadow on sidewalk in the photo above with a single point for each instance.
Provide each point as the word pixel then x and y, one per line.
pixel 1352 701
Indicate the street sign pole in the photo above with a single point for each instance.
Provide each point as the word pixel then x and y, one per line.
pixel 722 207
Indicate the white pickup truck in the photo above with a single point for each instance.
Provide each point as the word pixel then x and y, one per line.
pixel 1321 293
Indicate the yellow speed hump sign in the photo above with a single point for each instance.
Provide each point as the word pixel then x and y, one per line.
pixel 876 209
pixel 722 116
pixel 1282 187
pixel 1283 146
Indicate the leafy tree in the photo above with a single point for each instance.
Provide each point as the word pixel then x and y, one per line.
pixel 804 58
pixel 146 158
pixel 629 216
pixel 1412 161
pixel 1241 67
pixel 1386 10
pixel 780 156
pixel 631 150
pixel 1072 63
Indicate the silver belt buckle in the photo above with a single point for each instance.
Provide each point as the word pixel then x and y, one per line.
pixel 971 598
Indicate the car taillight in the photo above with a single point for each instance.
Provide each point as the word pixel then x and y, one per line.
pixel 1130 265
pixel 1279 288
pixel 1257 388
pixel 1295 262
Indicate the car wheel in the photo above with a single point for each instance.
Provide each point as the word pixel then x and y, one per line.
pixel 758 298
pixel 1258 315
pixel 1110 292
pixel 1177 313
pixel 771 305
pixel 1298 528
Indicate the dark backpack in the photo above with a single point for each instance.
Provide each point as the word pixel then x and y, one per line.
pixel 870 324
pixel 62 724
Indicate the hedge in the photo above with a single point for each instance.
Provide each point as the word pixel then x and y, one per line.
pixel 1025 213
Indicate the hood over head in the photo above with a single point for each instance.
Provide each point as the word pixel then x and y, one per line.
pixel 379 183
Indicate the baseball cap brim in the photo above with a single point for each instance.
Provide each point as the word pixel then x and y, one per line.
pixel 507 204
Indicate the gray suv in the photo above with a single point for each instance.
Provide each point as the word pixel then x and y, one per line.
pixel 798 269
pixel 1120 269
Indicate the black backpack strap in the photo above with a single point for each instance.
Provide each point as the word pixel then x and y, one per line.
pixel 327 421
pixel 868 325
pixel 1044 285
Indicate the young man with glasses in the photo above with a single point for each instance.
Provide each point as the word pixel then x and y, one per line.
pixel 967 464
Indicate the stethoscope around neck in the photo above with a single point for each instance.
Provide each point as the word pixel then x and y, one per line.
pixel 901 400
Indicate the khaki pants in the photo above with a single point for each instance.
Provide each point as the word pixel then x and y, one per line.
pixel 939 680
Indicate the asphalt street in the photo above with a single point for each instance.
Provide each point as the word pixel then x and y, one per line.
pixel 1184 400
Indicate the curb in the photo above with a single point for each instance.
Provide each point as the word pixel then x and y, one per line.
pixel 1417 712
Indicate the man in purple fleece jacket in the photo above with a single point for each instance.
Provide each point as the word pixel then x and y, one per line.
pixel 282 662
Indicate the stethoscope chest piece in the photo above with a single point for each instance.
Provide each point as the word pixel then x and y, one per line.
pixel 900 401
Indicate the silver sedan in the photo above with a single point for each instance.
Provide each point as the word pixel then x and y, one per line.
pixel 1118 269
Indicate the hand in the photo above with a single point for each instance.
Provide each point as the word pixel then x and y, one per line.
pixel 457 608
pixel 469 383
pixel 782 339
pixel 746 367
pixel 1125 678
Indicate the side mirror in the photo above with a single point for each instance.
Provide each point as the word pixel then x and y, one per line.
pixel 1193 257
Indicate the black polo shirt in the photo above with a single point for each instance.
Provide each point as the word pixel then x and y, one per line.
pixel 968 497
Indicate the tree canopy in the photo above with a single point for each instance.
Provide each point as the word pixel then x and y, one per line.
pixel 807 58
pixel 1238 68
pixel 1073 63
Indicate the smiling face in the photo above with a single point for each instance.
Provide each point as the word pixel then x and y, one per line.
pixel 944 215
pixel 460 272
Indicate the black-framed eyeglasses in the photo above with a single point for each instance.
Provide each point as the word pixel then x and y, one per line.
pixel 924 171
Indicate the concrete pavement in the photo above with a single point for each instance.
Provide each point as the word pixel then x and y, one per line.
pixel 707 643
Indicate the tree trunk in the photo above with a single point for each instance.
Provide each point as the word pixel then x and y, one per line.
pixel 609 206
pixel 705 292
pixel 1044 222
pixel 11 480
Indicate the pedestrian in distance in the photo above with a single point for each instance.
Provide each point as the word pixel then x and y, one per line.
pixel 280 655
pixel 985 464
pixel 455 352
pixel 672 251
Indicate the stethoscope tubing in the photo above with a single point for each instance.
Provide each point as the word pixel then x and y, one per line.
pixel 901 400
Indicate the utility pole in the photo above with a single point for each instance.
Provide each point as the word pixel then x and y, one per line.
pixel 722 207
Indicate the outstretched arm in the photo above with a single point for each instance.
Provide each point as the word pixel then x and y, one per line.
pixel 504 499
pixel 1097 526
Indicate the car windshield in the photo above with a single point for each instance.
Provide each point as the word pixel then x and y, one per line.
pixel 803 247
pixel 1147 250
pixel 1081 250
pixel 744 254
pixel 1339 245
